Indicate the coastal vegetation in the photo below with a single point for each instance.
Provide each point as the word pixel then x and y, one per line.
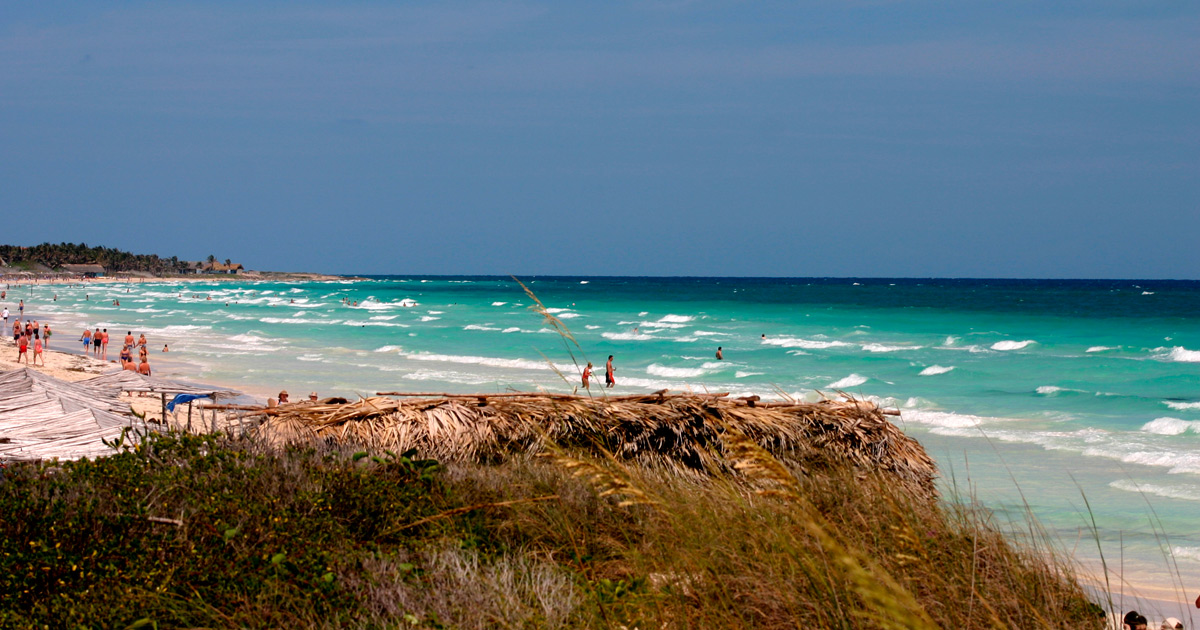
pixel 211 531
pixel 54 256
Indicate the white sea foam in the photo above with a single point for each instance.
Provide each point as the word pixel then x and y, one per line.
pixel 521 364
pixel 950 341
pixel 437 312
pixel 1101 348
pixel 1147 293
pixel 310 357
pixel 1181 406
pixel 1012 345
pixel 675 319
pixel 854 380
pixel 592 326
pixel 499 303
pixel 1180 354
pixel 934 370
pixel 1171 426
pixel 296 320
pixel 359 323
pixel 511 329
pixel 808 344
pixel 384 317
pixel 1054 390
pixel 627 336
pixel 479 327
pixel 706 333
pixel 583 282
pixel 675 372
pixel 557 310
pixel 407 303
pixel 568 315
pixel 643 313
pixel 879 347
pixel 387 349
pixel 943 419
pixel 1189 492
pixel 429 318
pixel 741 374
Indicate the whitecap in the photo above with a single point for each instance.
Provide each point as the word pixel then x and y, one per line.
pixel 674 372
pixel 675 319
pixel 387 349
pixel 627 336
pixel 1180 354
pixel 499 303
pixel 942 419
pixel 934 370
pixel 1188 492
pixel 479 327
pixel 567 315
pixel 1181 406
pixel 583 282
pixel 1011 345
pixel 879 347
pixel 741 374
pixel 1101 348
pixel 1171 426
pixel 511 329
pixel 1147 293
pixel 429 318
pixel 808 344
pixel 854 380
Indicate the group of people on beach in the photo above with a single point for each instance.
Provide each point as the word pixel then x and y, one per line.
pixel 142 365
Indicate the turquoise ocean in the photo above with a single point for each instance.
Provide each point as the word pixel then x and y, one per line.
pixel 1028 392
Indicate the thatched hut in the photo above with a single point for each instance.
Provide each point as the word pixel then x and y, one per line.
pixel 680 431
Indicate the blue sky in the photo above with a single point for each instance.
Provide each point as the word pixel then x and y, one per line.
pixel 984 139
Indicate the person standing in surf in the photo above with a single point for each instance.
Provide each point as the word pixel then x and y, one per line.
pixel 609 381
pixel 720 357
pixel 587 376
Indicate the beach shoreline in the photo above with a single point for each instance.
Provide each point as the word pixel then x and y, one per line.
pixel 178 367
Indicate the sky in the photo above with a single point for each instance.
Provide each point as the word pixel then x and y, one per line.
pixel 805 138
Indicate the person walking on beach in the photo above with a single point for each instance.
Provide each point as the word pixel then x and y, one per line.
pixel 142 340
pixel 129 338
pixel 37 353
pixel 46 335
pixel 104 343
pixel 609 381
pixel 97 339
pixel 21 308
pixel 86 338
pixel 587 376
pixel 720 357
pixel 23 349
pixel 6 316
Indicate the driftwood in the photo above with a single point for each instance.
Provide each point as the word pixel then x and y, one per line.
pixel 679 431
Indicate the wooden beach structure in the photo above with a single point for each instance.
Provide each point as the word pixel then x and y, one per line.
pixel 680 431
pixel 43 417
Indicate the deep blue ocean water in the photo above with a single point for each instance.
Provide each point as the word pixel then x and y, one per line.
pixel 1035 387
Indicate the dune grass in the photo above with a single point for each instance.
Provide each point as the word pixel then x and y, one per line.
pixel 205 531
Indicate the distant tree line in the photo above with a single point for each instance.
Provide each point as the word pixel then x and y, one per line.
pixel 55 256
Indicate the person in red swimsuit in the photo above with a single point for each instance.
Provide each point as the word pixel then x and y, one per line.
pixel 587 376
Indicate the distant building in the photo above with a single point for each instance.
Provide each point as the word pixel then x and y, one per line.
pixel 218 267
pixel 191 266
pixel 87 271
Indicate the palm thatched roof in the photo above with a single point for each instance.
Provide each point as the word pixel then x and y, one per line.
pixel 681 431
pixel 128 381
pixel 42 417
